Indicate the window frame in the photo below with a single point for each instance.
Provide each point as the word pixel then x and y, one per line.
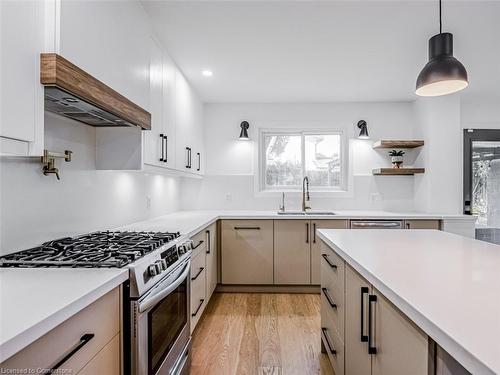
pixel 341 188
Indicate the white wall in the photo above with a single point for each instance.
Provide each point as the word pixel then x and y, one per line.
pixel 440 189
pixel 230 164
pixel 480 112
pixel 37 208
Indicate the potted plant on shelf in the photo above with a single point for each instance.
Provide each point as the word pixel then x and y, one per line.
pixel 396 158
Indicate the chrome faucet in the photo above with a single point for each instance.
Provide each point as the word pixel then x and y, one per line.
pixel 282 206
pixel 305 194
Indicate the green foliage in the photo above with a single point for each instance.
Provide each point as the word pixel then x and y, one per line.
pixel 396 153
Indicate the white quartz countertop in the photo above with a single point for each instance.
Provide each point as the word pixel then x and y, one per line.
pixel 190 222
pixel 447 284
pixel 33 301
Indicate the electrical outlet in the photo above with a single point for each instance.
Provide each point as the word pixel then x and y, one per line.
pixel 229 197
pixel 148 203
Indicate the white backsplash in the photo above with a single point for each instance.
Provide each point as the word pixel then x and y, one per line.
pixel 37 208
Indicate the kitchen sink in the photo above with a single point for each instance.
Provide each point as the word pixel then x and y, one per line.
pixel 320 213
pixel 313 213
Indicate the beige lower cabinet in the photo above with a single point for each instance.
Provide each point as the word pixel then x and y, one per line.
pixel 198 288
pixel 423 224
pixel 211 260
pixel 315 245
pixel 379 339
pixel 247 251
pixel 375 338
pixel 96 329
pixel 292 252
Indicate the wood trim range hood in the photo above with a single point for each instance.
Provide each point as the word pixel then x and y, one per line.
pixel 73 93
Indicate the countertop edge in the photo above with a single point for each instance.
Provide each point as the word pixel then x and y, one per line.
pixel 33 333
pixel 468 360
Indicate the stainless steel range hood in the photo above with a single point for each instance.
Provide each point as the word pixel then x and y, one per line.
pixel 73 93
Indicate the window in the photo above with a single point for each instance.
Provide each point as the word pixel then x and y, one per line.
pixel 286 157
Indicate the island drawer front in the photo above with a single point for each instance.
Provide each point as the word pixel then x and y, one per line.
pixel 332 270
pixel 335 314
pixel 199 243
pixel 197 263
pixel 331 341
pixel 107 361
pixel 53 346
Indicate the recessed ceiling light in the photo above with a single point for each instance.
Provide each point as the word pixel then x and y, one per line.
pixel 207 73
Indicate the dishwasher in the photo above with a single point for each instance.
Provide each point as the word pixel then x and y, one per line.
pixel 376 224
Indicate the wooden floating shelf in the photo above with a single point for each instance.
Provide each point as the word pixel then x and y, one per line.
pixel 385 143
pixel 397 171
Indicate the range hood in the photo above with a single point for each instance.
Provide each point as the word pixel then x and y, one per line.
pixel 73 93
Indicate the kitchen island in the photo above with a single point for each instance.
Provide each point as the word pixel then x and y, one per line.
pixel 447 286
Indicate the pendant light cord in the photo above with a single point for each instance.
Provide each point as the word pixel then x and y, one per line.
pixel 440 19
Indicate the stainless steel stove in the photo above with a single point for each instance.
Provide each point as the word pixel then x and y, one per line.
pixel 156 303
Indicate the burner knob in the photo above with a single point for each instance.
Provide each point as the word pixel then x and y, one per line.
pixel 163 264
pixel 154 269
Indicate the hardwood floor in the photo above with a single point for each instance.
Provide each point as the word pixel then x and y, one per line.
pixel 254 333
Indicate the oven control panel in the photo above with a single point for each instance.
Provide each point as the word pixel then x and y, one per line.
pixel 168 258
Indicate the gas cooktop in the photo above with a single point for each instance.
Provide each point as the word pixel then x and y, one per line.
pixel 98 249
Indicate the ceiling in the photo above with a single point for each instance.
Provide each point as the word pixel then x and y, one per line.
pixel 323 51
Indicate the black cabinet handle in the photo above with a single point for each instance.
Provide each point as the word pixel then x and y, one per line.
pixel 330 347
pixel 372 349
pixel 83 341
pixel 364 290
pixel 325 257
pixel 314 232
pixel 328 298
pixel 199 161
pixel 190 158
pixel 188 161
pixel 199 244
pixel 307 232
pixel 246 228
pixel 162 158
pixel 208 241
pixel 198 308
pixel 198 274
pixel 165 157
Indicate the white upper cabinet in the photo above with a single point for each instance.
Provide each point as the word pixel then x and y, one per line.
pixel 109 40
pixel 189 127
pixel 22 38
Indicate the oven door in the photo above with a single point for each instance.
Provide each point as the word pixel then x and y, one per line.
pixel 160 326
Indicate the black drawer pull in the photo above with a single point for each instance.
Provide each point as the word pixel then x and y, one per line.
pixel 199 161
pixel 307 232
pixel 330 347
pixel 328 298
pixel 198 308
pixel 83 340
pixel 314 232
pixel 325 257
pixel 246 228
pixel 372 349
pixel 198 245
pixel 198 274
pixel 208 242
pixel 364 290
pixel 165 157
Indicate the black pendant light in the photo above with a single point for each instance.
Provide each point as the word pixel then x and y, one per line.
pixel 443 74
pixel 363 130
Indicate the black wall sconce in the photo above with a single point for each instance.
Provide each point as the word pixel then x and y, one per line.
pixel 363 130
pixel 244 131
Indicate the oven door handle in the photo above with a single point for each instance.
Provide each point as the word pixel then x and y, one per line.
pixel 157 297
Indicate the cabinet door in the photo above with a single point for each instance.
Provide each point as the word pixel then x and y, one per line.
pixel 154 141
pixel 402 347
pixel 21 95
pixel 357 359
pixel 211 251
pixel 315 245
pixel 422 224
pixel 169 74
pixel 292 252
pixel 107 361
pixel 247 251
pixel 198 288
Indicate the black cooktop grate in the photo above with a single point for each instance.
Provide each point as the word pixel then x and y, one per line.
pixel 98 249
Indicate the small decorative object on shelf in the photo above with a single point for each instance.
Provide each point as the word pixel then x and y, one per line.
pixel 396 158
